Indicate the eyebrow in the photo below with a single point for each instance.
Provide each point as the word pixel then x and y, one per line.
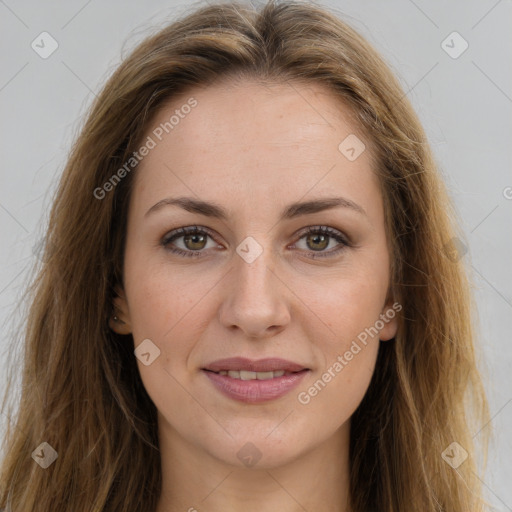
pixel 211 209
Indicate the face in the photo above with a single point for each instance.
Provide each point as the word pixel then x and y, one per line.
pixel 253 274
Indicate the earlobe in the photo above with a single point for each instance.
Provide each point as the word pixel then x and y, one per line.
pixel 119 320
pixel 389 331
pixel 389 319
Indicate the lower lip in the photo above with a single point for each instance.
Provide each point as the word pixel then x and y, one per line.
pixel 255 391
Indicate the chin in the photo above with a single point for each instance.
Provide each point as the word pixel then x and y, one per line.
pixel 258 451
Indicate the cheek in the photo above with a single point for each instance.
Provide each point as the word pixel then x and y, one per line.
pixel 336 393
pixel 166 307
pixel 350 348
pixel 344 304
pixel 162 297
pixel 346 340
pixel 347 353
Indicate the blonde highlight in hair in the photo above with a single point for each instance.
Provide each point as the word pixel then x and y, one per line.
pixel 81 390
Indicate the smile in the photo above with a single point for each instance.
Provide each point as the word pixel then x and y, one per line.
pixel 254 387
pixel 248 375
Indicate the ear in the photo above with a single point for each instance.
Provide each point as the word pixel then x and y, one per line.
pixel 389 317
pixel 119 320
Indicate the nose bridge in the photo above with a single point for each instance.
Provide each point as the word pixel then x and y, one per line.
pixel 253 278
pixel 255 301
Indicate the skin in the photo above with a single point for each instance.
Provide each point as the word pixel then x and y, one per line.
pixel 254 149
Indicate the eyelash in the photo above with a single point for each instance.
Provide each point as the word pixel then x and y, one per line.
pixel 191 230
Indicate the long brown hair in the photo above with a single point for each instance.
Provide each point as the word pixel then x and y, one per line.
pixel 81 391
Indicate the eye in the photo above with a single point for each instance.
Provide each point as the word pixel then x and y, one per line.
pixel 318 238
pixel 194 241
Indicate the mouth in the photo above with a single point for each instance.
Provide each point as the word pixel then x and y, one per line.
pixel 254 382
pixel 248 367
pixel 250 375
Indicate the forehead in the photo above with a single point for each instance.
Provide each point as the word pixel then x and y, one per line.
pixel 282 138
pixel 249 112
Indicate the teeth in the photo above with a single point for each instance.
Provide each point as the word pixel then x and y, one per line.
pixel 247 375
pixel 265 375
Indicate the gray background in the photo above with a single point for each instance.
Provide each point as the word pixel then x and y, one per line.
pixel 465 104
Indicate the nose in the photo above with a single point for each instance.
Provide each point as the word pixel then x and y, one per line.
pixel 255 298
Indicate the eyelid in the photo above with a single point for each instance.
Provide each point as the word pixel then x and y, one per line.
pixel 326 230
pixel 333 233
pixel 186 230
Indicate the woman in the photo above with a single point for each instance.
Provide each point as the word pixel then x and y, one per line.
pixel 248 299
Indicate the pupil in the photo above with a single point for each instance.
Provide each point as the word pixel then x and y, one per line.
pixel 194 239
pixel 315 240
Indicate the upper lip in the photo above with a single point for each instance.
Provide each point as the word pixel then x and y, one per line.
pixel 261 365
